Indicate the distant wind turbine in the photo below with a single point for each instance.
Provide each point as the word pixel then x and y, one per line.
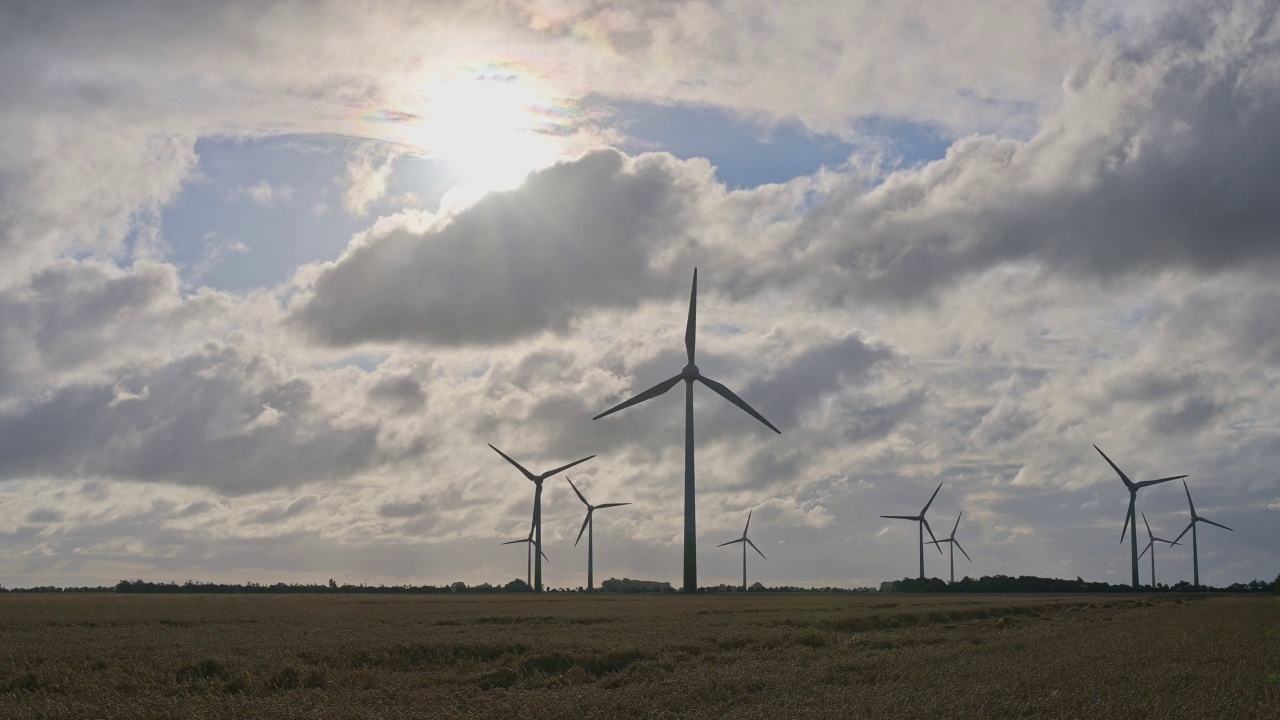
pixel 537 507
pixel 954 544
pixel 924 525
pixel 1195 550
pixel 589 525
pixel 529 555
pixel 689 374
pixel 1151 545
pixel 745 542
pixel 1131 517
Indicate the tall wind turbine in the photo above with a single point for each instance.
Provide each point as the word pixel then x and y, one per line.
pixel 1131 517
pixel 745 542
pixel 589 525
pixel 1151 545
pixel 1195 551
pixel 529 555
pixel 689 374
pixel 954 544
pixel 537 506
pixel 924 525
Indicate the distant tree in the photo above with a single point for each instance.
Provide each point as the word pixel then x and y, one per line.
pixel 1276 587
pixel 458 587
pixel 629 585
pixel 517 585
pixel 756 587
pixel 332 585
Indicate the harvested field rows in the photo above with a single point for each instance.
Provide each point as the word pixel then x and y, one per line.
pixel 638 656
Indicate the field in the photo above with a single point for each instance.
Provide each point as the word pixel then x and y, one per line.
pixel 815 655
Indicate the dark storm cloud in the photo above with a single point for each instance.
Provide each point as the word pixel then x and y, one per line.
pixel 220 418
pixel 576 237
pixel 1164 153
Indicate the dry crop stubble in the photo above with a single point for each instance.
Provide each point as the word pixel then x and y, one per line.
pixel 785 655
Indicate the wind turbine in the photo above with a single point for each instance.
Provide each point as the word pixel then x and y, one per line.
pixel 1151 545
pixel 1195 551
pixel 689 374
pixel 745 542
pixel 529 555
pixel 1131 517
pixel 954 544
pixel 924 525
pixel 587 522
pixel 537 507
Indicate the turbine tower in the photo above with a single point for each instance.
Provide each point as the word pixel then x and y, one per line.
pixel 537 507
pixel 589 525
pixel 1131 517
pixel 529 555
pixel 954 544
pixel 924 525
pixel 745 542
pixel 689 374
pixel 1195 550
pixel 1151 545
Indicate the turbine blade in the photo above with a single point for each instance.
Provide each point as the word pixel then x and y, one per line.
pixel 1145 483
pixel 957 525
pixel 1123 477
pixel 544 555
pixel 513 542
pixel 1184 532
pixel 577 492
pixel 727 394
pixel 753 547
pixel 1144 522
pixel 1224 527
pixel 748 525
pixel 690 332
pixel 1191 504
pixel 649 394
pixel 549 473
pixel 519 467
pixel 1145 549
pixel 901 517
pixel 585 520
pixel 931 497
pixel 611 505
pixel 966 555
pixel 731 542
pixel 935 542
pixel 1127 513
pixel 926 527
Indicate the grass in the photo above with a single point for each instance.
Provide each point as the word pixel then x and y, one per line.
pixel 785 655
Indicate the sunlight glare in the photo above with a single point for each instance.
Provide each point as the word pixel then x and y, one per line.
pixel 492 128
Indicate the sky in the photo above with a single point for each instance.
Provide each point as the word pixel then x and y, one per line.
pixel 273 275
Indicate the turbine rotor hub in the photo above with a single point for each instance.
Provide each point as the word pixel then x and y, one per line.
pixel 690 372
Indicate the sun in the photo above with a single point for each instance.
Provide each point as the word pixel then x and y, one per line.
pixel 492 127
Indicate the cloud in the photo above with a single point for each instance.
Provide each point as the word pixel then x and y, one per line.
pixel 266 195
pixel 199 423
pixel 367 176
pixel 1156 158
pixel 575 238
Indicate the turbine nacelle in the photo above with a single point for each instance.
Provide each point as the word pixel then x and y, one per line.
pixel 689 373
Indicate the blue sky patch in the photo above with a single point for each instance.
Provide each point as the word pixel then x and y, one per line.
pixel 747 154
